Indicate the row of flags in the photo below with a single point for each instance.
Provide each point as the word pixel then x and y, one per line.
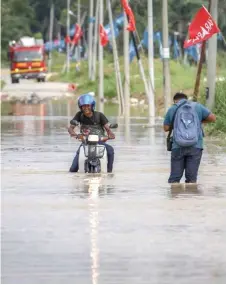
pixel 77 35
pixel 104 38
pixel 201 28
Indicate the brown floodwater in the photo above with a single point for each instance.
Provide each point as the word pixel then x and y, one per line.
pixel 130 226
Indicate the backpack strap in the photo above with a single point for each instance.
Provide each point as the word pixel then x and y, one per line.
pixel 174 115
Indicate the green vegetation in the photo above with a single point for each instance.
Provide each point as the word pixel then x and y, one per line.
pixel 182 77
pixel 219 128
pixel 29 17
pixel 2 84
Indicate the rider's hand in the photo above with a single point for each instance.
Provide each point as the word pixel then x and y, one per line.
pixel 111 136
pixel 104 139
pixel 80 137
pixel 73 135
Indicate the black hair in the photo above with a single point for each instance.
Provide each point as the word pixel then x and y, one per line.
pixel 179 95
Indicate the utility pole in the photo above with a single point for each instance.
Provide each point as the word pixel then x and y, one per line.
pixel 150 43
pixel 68 37
pixel 94 59
pixel 212 58
pixel 126 71
pixel 116 62
pixel 166 55
pixel 101 68
pixel 79 22
pixel 51 36
pixel 151 63
pixel 90 39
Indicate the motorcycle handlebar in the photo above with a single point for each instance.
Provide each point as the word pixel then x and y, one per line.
pixel 82 137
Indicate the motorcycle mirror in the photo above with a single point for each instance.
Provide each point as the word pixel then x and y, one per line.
pixel 113 126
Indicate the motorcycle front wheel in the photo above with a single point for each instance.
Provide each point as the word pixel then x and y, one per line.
pixel 95 169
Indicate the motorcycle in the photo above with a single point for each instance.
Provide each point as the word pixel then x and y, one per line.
pixel 93 155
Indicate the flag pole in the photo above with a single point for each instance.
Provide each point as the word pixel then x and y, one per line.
pixel 95 42
pixel 116 62
pixel 149 93
pixel 90 38
pixel 198 76
pixel 126 74
pixel 151 61
pixel 101 63
pixel 211 62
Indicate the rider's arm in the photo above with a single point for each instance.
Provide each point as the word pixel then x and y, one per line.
pixel 111 135
pixel 104 122
pixel 71 131
pixel 74 123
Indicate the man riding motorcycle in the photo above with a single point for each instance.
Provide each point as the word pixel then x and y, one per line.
pixel 96 122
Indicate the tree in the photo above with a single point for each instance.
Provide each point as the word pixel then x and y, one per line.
pixel 16 18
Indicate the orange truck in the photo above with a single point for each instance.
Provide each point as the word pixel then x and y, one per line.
pixel 28 60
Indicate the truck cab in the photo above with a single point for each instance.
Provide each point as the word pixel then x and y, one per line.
pixel 28 62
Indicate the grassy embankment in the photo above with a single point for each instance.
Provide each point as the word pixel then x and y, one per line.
pixel 182 77
pixel 219 128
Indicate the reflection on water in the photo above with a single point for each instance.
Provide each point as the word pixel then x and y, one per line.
pixel 94 185
pixel 61 107
pixel 125 227
pixel 179 190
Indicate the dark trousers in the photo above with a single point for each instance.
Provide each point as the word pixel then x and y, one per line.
pixel 110 158
pixel 185 159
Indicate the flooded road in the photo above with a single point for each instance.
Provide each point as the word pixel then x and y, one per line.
pixel 125 227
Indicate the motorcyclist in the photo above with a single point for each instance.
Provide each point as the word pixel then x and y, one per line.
pixel 96 122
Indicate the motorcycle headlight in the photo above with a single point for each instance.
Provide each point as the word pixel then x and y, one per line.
pixel 93 138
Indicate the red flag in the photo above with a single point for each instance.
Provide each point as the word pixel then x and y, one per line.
pixel 103 36
pixel 67 40
pixel 77 35
pixel 201 28
pixel 131 25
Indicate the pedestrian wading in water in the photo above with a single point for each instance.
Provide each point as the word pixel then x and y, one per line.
pixel 184 119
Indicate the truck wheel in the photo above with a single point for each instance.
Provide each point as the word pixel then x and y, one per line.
pixel 38 79
pixel 43 79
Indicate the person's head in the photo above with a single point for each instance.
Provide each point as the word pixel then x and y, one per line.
pixel 86 104
pixel 178 96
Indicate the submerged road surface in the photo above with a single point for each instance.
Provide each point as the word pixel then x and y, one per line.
pixel 127 227
pixel 26 87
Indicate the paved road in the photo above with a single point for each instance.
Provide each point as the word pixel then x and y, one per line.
pixel 26 87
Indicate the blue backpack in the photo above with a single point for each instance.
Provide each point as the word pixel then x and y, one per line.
pixel 187 126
